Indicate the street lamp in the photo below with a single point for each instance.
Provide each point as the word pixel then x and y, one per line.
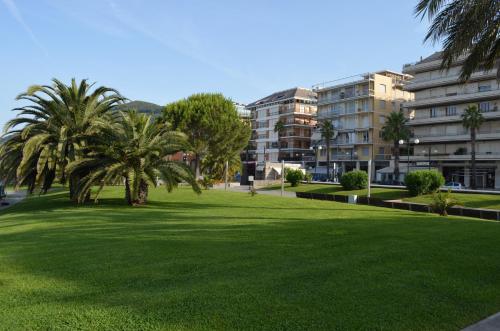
pixel 430 152
pixel 416 141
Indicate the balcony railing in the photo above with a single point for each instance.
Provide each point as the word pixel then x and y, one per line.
pixel 468 96
pixel 351 80
pixel 346 96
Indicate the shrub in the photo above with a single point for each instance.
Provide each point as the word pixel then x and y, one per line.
pixel 294 176
pixel 308 177
pixel 442 201
pixel 354 180
pixel 423 182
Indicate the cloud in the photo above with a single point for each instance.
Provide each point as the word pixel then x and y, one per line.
pixel 16 14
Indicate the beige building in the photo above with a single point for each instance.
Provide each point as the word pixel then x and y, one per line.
pixel 296 108
pixel 436 112
pixel 358 107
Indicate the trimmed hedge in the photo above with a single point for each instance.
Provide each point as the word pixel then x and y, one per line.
pixel 423 182
pixel 354 180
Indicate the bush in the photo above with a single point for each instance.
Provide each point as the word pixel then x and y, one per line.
pixel 423 182
pixel 354 180
pixel 442 201
pixel 294 176
pixel 308 177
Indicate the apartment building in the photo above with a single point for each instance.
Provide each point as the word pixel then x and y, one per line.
pixel 296 108
pixel 358 107
pixel 440 100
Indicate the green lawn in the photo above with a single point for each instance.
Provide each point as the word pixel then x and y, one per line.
pixel 230 261
pixel 490 201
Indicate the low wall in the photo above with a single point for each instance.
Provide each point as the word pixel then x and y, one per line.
pixel 487 214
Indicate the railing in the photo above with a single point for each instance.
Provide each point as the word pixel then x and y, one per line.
pixel 343 81
pixel 357 94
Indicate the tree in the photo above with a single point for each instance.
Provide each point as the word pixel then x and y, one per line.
pixel 134 150
pixel 395 129
pixel 470 28
pixel 208 120
pixel 327 133
pixel 472 119
pixel 57 125
pixel 279 128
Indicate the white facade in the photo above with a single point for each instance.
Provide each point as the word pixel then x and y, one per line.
pixel 440 100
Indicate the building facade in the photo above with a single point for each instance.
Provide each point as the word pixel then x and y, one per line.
pixel 440 100
pixel 296 109
pixel 358 107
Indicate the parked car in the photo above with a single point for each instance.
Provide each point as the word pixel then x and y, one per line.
pixel 453 186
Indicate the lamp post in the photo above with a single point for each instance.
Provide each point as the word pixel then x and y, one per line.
pixel 429 152
pixel 416 141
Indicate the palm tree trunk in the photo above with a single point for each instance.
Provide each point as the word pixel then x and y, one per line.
pixel 128 196
pixel 396 160
pixel 473 158
pixel 142 196
pixel 328 160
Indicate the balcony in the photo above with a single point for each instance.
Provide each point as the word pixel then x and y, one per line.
pixel 462 135
pixel 453 157
pixel 449 119
pixel 454 99
pixel 346 97
pixel 420 84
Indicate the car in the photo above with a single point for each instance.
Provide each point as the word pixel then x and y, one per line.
pixel 453 186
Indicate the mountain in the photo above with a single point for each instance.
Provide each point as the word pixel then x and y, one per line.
pixel 142 107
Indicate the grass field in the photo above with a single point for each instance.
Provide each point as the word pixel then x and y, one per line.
pixel 232 261
pixel 490 201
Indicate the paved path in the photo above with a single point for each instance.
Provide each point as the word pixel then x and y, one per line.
pixel 12 198
pixel 245 189
pixel 491 323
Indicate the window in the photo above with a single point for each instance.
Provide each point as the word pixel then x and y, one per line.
pixel 381 104
pixel 451 111
pixel 381 119
pixel 366 151
pixel 381 150
pixel 484 106
pixel 484 88
pixel 382 88
pixel 366 137
pixel 433 112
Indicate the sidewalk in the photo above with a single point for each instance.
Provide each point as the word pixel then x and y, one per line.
pixel 12 198
pixel 246 189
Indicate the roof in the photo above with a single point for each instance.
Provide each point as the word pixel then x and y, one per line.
pixel 296 92
pixel 433 57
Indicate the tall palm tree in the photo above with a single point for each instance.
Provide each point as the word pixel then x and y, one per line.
pixel 134 150
pixel 57 125
pixel 327 134
pixel 469 28
pixel 279 128
pixel 395 129
pixel 472 120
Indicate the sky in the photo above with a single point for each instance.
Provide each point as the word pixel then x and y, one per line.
pixel 161 51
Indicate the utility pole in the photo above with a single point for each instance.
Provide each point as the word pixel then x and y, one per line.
pixel 282 177
pixel 369 177
pixel 225 175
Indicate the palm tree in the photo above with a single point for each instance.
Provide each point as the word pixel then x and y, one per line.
pixel 395 129
pixel 467 27
pixel 57 125
pixel 279 128
pixel 472 120
pixel 327 134
pixel 134 150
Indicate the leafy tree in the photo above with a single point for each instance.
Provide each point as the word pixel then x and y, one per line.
pixel 327 133
pixel 472 119
pixel 212 126
pixel 56 127
pixel 395 129
pixel 279 128
pixel 134 150
pixel 294 176
pixel 469 28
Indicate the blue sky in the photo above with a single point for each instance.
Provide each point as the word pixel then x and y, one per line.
pixel 161 51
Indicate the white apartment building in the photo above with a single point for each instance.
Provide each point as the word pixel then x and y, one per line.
pixel 435 120
pixel 296 108
pixel 358 107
